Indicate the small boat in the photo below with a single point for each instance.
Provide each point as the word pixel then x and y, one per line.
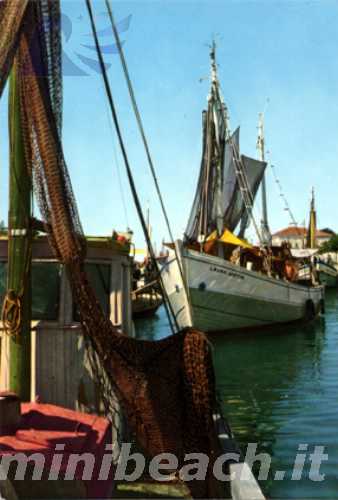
pixel 146 300
pixel 215 280
pixel 145 296
pixel 316 270
pixel 328 274
pixel 319 271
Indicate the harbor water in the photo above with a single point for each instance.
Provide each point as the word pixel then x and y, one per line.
pixel 279 389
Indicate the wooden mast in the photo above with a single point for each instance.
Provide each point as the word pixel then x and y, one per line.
pixel 265 230
pixel 217 100
pixel 19 251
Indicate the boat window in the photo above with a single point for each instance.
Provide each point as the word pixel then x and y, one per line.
pixel 99 278
pixel 45 290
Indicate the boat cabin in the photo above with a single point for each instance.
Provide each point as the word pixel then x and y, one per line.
pixel 60 373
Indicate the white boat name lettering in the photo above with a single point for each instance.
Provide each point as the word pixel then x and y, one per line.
pixel 232 274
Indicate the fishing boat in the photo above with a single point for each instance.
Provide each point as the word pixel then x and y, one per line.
pixel 215 280
pixel 316 268
pixel 328 274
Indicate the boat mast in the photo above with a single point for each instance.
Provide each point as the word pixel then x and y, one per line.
pixel 18 298
pixel 208 118
pixel 265 230
pixel 219 115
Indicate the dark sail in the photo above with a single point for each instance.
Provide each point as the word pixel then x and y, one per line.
pixel 208 207
pixel 218 202
pixel 235 209
pixel 224 174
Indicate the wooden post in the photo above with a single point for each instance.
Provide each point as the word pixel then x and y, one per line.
pixel 19 247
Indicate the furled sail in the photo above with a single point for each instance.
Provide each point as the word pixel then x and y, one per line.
pixel 219 202
pixel 228 182
pixel 208 207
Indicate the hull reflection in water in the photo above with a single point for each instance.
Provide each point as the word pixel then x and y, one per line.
pixel 280 391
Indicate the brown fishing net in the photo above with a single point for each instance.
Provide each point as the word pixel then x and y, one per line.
pixel 166 388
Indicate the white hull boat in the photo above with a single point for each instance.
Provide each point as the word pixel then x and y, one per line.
pixel 214 295
pixel 215 280
pixel 327 274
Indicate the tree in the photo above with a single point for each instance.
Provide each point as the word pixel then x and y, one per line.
pixel 331 245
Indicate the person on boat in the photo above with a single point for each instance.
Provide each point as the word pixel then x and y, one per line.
pixel 236 256
pixel 313 271
pixel 291 270
pixel 136 275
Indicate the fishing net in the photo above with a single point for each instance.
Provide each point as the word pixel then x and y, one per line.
pixel 165 388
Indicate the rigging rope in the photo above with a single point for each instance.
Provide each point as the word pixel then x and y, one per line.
pixel 138 117
pixel 123 199
pixel 167 304
pixel 144 138
pixel 285 201
pixel 121 187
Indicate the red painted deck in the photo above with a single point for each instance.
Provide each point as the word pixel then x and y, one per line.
pixel 44 426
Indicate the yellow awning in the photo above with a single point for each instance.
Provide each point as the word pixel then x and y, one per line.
pixel 139 251
pixel 229 237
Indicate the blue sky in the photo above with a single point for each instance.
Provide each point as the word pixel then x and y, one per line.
pixel 285 51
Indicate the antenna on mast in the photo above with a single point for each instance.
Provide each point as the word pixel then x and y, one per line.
pixel 313 198
pixel 216 87
pixel 260 138
pixel 214 78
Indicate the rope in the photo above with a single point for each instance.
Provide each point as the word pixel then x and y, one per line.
pixel 12 313
pixel 286 204
pixel 138 117
pixel 143 136
pixel 126 161
pixel 121 190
